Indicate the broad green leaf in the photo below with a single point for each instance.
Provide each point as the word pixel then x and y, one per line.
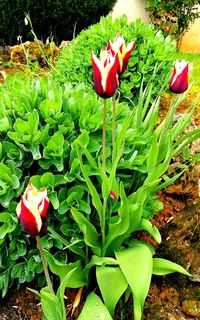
pixel 99 261
pixel 112 285
pixel 136 264
pixel 162 267
pixel 153 231
pixel 50 305
pixel 94 309
pixel 119 227
pixel 90 234
pixel 76 280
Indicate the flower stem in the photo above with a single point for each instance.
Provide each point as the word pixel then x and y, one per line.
pixel 103 220
pixel 113 125
pixel 104 137
pixel 46 272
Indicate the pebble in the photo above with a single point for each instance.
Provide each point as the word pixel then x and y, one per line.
pixel 191 308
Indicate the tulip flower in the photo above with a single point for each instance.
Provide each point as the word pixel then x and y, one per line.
pixel 105 74
pixel 123 52
pixel 32 210
pixel 179 78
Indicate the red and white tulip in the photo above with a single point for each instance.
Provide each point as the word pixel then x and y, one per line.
pixel 32 210
pixel 119 48
pixel 179 78
pixel 105 74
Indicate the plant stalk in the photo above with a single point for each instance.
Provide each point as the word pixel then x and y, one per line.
pixel 104 137
pixel 46 272
pixel 103 220
pixel 113 125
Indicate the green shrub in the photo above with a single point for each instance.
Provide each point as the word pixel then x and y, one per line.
pixel 152 53
pixel 173 16
pixel 49 18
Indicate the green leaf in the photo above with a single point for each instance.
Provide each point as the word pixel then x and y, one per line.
pixel 153 231
pixel 99 261
pixel 68 245
pixel 153 155
pixel 136 264
pixel 47 179
pixel 162 267
pixel 91 236
pixel 95 196
pixel 118 228
pixel 60 269
pixel 94 309
pixel 112 285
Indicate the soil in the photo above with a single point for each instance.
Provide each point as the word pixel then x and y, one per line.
pixel 172 297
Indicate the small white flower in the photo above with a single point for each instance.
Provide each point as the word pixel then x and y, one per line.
pixel 19 38
pixel 26 21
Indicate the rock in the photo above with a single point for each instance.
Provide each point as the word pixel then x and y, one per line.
pixel 191 308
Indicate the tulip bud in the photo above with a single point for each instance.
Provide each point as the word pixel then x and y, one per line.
pixel 105 74
pixel 32 210
pixel 179 78
pixel 113 195
pixel 123 52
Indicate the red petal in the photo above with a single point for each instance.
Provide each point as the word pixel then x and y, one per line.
pixel 180 85
pixel 111 80
pixel 97 77
pixel 43 215
pixel 28 220
pixel 126 58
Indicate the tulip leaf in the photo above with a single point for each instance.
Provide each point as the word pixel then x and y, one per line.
pixel 60 269
pixel 94 309
pixel 118 228
pixel 95 196
pixel 136 264
pixel 112 285
pixel 99 261
pixel 153 231
pixel 91 236
pixel 162 267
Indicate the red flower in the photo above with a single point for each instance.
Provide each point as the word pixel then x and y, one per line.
pixel 179 78
pixel 105 74
pixel 123 52
pixel 32 210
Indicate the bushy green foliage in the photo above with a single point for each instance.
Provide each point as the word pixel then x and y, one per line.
pixel 49 18
pixel 152 54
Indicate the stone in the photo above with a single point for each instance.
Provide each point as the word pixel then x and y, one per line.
pixel 191 308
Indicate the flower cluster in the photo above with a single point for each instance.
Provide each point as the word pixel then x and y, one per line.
pixel 112 62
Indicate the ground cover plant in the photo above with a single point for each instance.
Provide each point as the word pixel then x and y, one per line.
pixel 101 190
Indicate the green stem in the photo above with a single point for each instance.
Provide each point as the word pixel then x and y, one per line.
pixel 113 125
pixel 46 272
pixel 103 223
pixel 104 137
pixel 103 220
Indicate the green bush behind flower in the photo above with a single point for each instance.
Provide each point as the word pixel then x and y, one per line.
pixel 152 53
